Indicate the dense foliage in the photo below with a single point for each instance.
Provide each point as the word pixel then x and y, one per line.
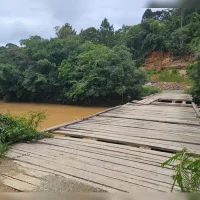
pixel 194 72
pixel 16 129
pixel 187 171
pixel 96 65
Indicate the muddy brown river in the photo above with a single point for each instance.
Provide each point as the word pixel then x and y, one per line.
pixel 56 114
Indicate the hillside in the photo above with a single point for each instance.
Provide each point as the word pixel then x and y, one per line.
pixel 163 60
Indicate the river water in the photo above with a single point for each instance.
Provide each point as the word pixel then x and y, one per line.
pixel 56 114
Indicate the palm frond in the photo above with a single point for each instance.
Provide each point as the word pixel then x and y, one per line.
pixel 187 171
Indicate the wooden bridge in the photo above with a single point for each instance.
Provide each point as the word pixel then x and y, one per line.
pixel 119 149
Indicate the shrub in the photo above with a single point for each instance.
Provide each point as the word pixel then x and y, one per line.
pixel 174 71
pixel 16 129
pixel 194 73
pixel 151 72
pixel 148 90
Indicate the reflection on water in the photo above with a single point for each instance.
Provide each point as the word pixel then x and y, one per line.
pixel 56 114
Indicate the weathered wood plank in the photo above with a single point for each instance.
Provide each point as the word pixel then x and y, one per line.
pixel 101 167
pixel 18 185
pixel 88 150
pixel 139 132
pixel 102 179
pixel 146 125
pixel 128 150
pixel 155 144
pixel 151 142
pixel 156 119
pixel 53 172
pixel 63 154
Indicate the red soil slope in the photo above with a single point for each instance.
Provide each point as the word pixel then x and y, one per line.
pixel 160 60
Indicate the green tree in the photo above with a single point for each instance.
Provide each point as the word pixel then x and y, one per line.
pixel 107 33
pixel 104 75
pixel 90 34
pixel 64 31
pixel 10 82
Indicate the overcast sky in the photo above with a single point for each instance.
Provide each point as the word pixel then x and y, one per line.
pixel 20 19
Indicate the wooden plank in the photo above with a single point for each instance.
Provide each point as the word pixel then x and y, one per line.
pixel 171 104
pixel 18 185
pixel 100 167
pixel 104 167
pixel 141 122
pixel 103 179
pixel 138 132
pixel 189 113
pixel 128 150
pixel 158 126
pixel 168 146
pixel 149 100
pixel 155 119
pixel 156 115
pixel 34 173
pixel 53 172
pixel 130 140
pixel 24 178
pixel 160 113
pixel 137 157
pixel 108 158
pixel 162 109
pixel 155 107
pixel 147 126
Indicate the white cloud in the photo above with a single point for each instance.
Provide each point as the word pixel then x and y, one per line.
pixel 23 18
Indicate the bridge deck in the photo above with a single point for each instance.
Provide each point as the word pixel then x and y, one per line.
pixel 120 149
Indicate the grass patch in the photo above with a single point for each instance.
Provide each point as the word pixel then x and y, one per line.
pixel 148 90
pixel 151 72
pixel 14 129
pixel 169 76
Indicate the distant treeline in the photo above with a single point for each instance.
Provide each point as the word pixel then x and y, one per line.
pixel 96 66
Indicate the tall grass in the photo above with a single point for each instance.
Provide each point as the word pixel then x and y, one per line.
pixel 167 76
pixel 170 76
pixel 148 90
pixel 14 129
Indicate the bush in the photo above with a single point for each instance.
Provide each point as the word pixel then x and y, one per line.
pixel 148 90
pixel 194 72
pixel 16 129
pixel 151 72
pixel 174 71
